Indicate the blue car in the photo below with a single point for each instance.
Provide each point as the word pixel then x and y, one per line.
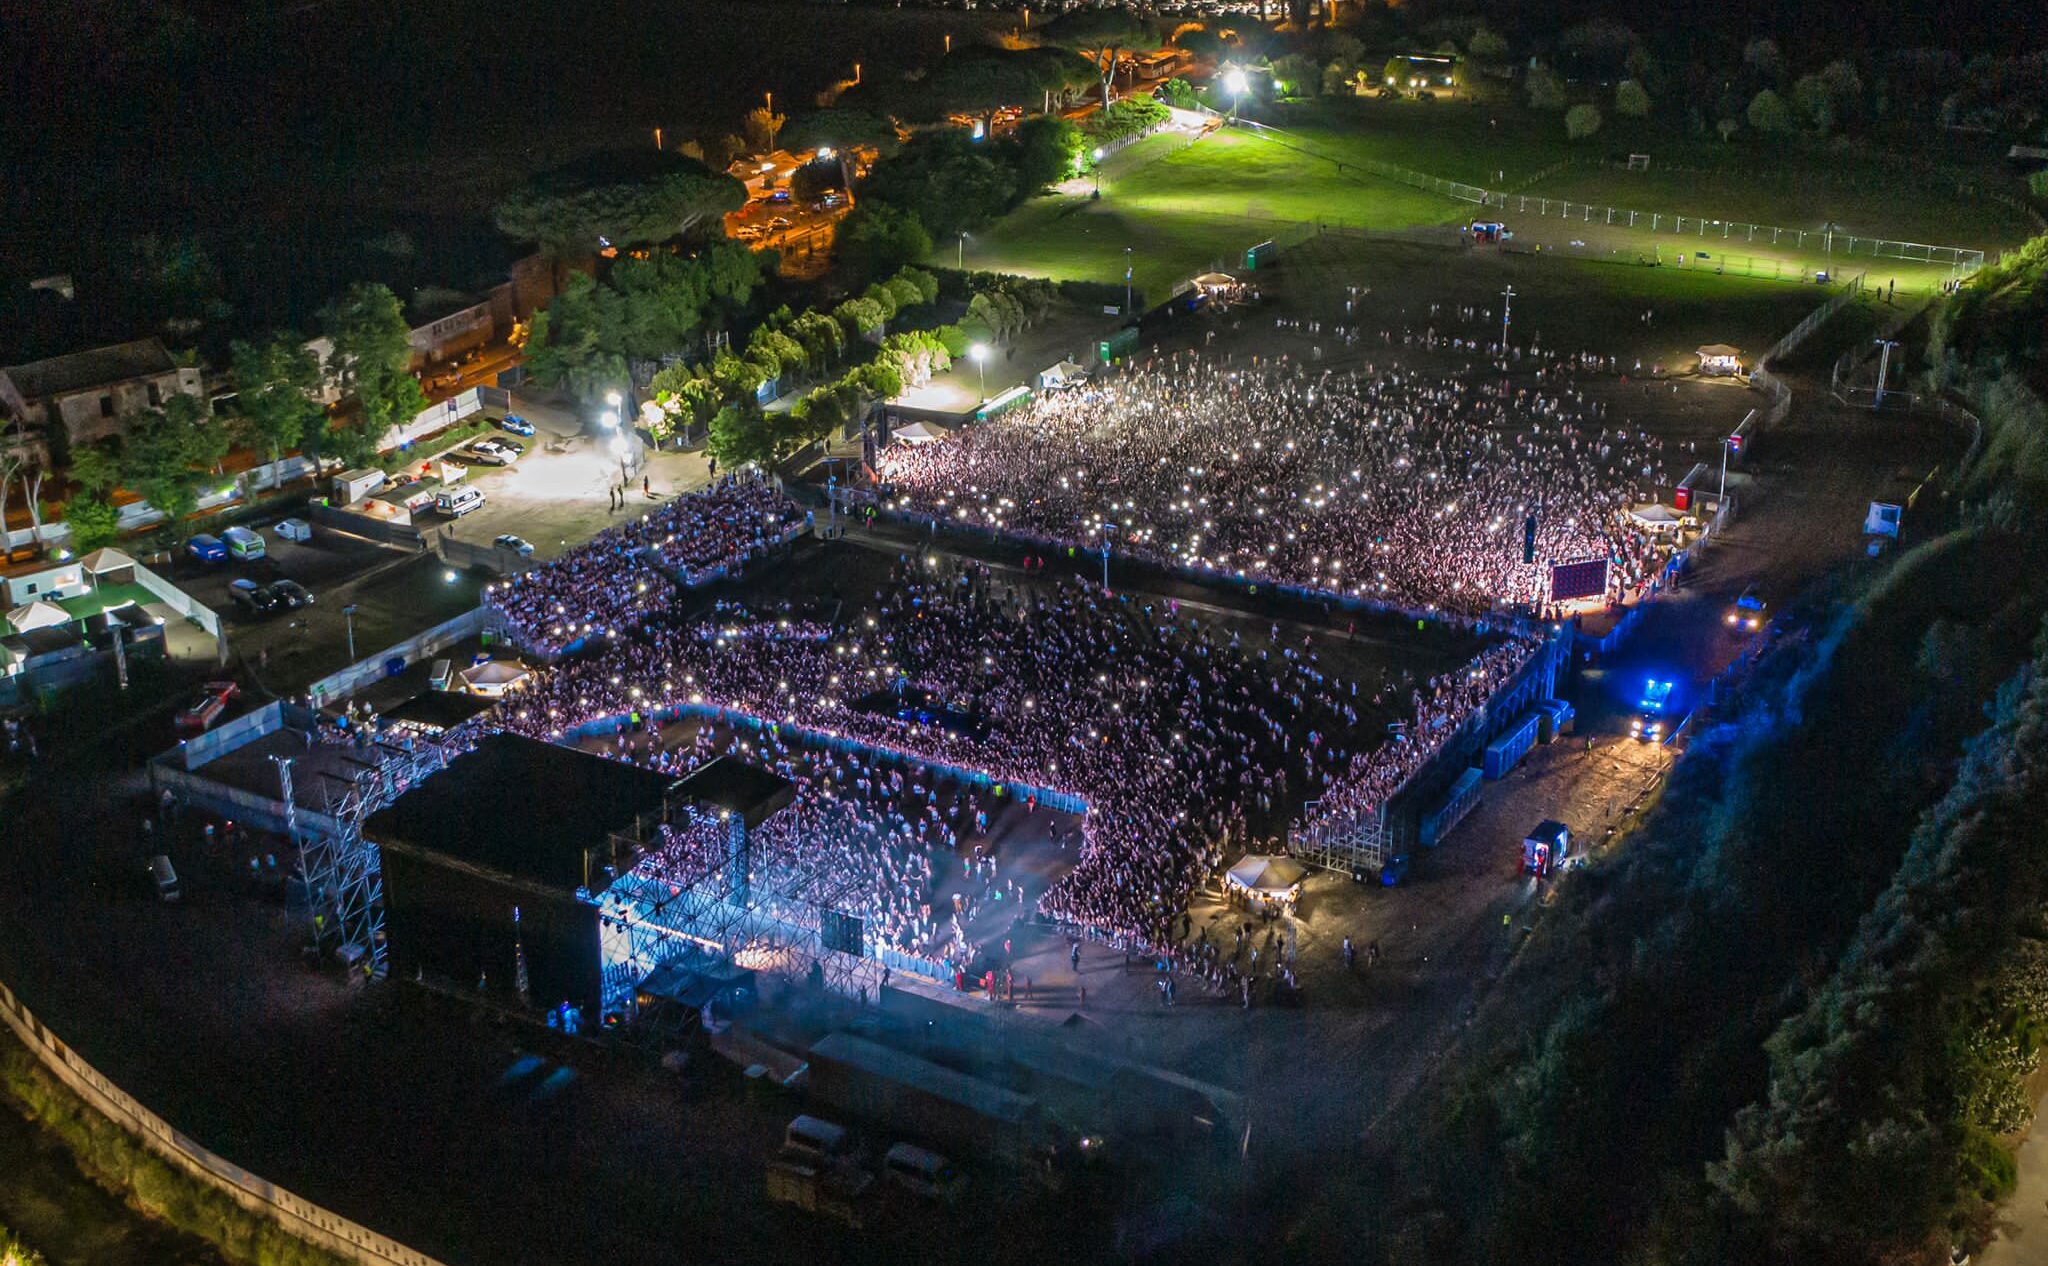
pixel 207 548
pixel 517 425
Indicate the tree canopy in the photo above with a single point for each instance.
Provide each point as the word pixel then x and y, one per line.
pixel 371 361
pixel 275 384
pixel 629 198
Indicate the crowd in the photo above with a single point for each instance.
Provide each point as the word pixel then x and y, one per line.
pixel 606 585
pixel 1184 737
pixel 1385 484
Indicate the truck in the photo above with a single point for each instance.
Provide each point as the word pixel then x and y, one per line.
pixel 834 1191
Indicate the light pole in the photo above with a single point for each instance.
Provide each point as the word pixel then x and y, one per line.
pixel 1127 281
pixel 1507 303
pixel 349 613
pixel 1235 83
pixel 1098 171
pixel 960 252
pixel 979 354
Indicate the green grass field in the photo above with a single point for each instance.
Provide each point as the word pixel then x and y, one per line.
pixel 1936 193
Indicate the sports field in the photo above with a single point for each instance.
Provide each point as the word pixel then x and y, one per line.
pixel 1182 206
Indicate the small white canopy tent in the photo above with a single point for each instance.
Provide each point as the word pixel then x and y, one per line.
pixel 38 615
pixel 494 679
pixel 1064 374
pixel 1720 358
pixel 916 433
pixel 1268 875
pixel 1654 519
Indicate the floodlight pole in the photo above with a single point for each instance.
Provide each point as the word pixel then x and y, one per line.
pixel 1127 281
pixel 1884 364
pixel 1507 305
pixel 1727 442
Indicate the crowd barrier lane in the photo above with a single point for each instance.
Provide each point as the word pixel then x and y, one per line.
pixel 292 1213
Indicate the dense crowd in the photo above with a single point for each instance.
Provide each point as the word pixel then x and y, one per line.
pixel 606 585
pixel 1384 484
pixel 1183 736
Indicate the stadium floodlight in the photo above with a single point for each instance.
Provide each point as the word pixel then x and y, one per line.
pixel 1234 82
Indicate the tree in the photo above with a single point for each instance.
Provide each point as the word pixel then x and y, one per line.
pixel 620 198
pixel 94 522
pixel 372 361
pixel 877 237
pixel 1486 46
pixel 1045 147
pixel 952 182
pixel 1768 113
pixel 860 316
pixel 1581 121
pixel 1105 35
pixel 1630 99
pixel 762 125
pixel 1544 88
pixel 1727 128
pixel 1816 102
pixel 168 451
pixel 1762 56
pixel 275 384
pixel 578 343
pixel 1297 75
pixel 741 436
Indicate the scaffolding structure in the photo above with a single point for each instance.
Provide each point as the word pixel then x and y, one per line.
pixel 726 905
pixel 341 871
pixel 1359 846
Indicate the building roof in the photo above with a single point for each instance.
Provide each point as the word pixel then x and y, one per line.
pixel 889 1064
pixel 524 810
pixel 41 379
pixel 738 787
pixel 438 709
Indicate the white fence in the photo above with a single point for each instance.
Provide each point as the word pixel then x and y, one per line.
pixel 340 685
pixel 1826 241
pixel 295 1214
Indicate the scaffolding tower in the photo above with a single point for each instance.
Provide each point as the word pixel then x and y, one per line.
pixel 342 871
pixel 1358 846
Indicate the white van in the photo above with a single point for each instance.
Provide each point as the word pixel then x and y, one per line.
pixel 163 878
pixel 815 1142
pixel 243 543
pixel 923 1173
pixel 456 502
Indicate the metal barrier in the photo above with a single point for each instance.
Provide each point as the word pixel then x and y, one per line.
pixel 294 1214
pixel 341 684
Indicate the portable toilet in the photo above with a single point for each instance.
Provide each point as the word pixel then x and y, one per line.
pixel 1544 848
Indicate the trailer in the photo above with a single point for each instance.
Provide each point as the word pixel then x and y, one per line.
pixel 1545 848
pixel 1506 752
pixel 1457 805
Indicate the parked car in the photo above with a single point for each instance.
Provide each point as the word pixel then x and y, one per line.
pixel 779 222
pixel 923 1173
pixel 513 447
pixel 517 544
pixel 207 548
pixel 245 544
pixel 163 878
pixel 1747 615
pixel 254 598
pixel 213 699
pixel 485 453
pixel 290 592
pixel 517 425
pixel 294 530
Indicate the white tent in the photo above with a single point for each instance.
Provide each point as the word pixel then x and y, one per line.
pixel 1654 518
pixel 1064 374
pixel 494 678
pixel 38 615
pixel 1267 875
pixel 916 433
pixel 104 560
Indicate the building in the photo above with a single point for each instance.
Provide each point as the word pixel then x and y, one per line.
pixel 494 867
pixel 93 394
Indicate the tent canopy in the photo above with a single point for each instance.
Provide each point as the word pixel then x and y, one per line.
pixel 494 678
pixel 916 433
pixel 38 615
pixel 1654 517
pixel 106 559
pixel 1264 873
pixel 1215 281
pixel 1718 351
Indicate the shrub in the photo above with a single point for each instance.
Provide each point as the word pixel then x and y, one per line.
pixel 1768 113
pixel 1631 99
pixel 1581 121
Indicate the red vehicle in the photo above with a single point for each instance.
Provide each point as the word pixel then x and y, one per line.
pixel 213 700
